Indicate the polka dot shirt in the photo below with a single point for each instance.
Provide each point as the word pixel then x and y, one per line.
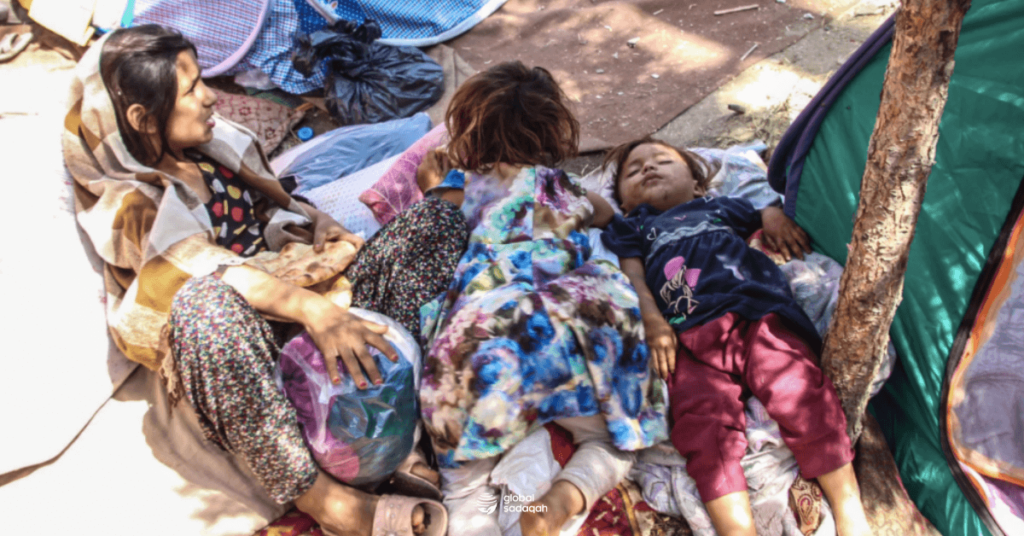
pixel 231 209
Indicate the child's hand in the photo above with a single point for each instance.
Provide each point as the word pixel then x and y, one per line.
pixel 432 170
pixel 662 342
pixel 783 234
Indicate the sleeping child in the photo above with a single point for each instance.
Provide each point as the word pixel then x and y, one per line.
pixel 722 325
pixel 531 330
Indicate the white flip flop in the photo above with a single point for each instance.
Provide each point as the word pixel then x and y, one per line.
pixel 12 44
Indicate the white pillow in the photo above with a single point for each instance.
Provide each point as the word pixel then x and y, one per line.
pixel 741 173
pixel 340 198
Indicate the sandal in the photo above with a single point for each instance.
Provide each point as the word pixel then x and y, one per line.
pixel 12 44
pixel 405 482
pixel 394 516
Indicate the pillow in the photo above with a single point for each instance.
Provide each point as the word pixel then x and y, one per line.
pixel 269 120
pixel 600 180
pixel 338 198
pixel 346 150
pixel 741 173
pixel 397 189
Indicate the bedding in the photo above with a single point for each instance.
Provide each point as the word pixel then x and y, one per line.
pixel 346 150
pixel 769 465
pixel 660 472
pixel 397 190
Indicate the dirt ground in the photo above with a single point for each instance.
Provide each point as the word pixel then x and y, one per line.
pixel 775 90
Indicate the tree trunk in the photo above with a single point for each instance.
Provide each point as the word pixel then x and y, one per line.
pixel 900 157
pixel 886 502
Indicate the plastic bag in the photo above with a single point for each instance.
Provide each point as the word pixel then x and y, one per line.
pixel 368 82
pixel 346 150
pixel 358 436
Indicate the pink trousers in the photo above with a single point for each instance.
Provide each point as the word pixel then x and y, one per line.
pixel 723 362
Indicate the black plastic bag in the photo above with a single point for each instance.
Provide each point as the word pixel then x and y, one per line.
pixel 368 82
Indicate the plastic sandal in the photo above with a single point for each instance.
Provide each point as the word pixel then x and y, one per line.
pixel 12 44
pixel 394 516
pixel 405 482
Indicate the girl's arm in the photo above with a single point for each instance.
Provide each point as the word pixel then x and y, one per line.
pixel 432 172
pixel 783 234
pixel 603 212
pixel 661 338
pixel 334 331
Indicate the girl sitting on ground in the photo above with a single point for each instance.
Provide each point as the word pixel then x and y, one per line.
pixel 721 325
pixel 175 200
pixel 531 330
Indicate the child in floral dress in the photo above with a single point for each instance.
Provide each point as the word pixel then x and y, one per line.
pixel 531 330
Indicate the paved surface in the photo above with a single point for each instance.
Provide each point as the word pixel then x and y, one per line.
pixel 792 76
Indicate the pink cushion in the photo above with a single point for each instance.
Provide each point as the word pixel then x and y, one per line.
pixel 397 190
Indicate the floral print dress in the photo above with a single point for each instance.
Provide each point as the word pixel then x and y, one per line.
pixel 530 330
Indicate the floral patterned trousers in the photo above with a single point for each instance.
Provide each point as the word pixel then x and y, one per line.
pixel 226 352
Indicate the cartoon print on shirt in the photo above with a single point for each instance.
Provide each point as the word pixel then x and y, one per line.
pixel 731 266
pixel 683 279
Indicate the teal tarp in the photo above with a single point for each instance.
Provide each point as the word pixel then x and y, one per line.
pixel 979 165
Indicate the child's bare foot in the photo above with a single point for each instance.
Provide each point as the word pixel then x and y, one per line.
pixel 419 520
pixel 851 523
pixel 731 515
pixel 843 494
pixel 549 513
pixel 344 511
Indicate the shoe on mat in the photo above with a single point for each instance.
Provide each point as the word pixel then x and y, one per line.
pixel 12 44
pixel 405 482
pixel 394 516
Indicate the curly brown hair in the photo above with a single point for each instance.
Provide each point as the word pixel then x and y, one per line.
pixel 700 168
pixel 510 114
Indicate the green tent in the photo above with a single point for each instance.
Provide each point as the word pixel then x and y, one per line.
pixel 962 257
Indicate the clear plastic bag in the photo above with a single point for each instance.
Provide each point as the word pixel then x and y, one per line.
pixel 358 436
pixel 368 82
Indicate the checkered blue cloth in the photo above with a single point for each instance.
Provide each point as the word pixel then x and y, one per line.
pixel 272 51
pixel 218 29
pixel 420 23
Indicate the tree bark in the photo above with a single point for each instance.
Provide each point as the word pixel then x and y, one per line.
pixel 886 502
pixel 900 157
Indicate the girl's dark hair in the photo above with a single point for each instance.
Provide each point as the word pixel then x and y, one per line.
pixel 701 169
pixel 139 66
pixel 510 114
